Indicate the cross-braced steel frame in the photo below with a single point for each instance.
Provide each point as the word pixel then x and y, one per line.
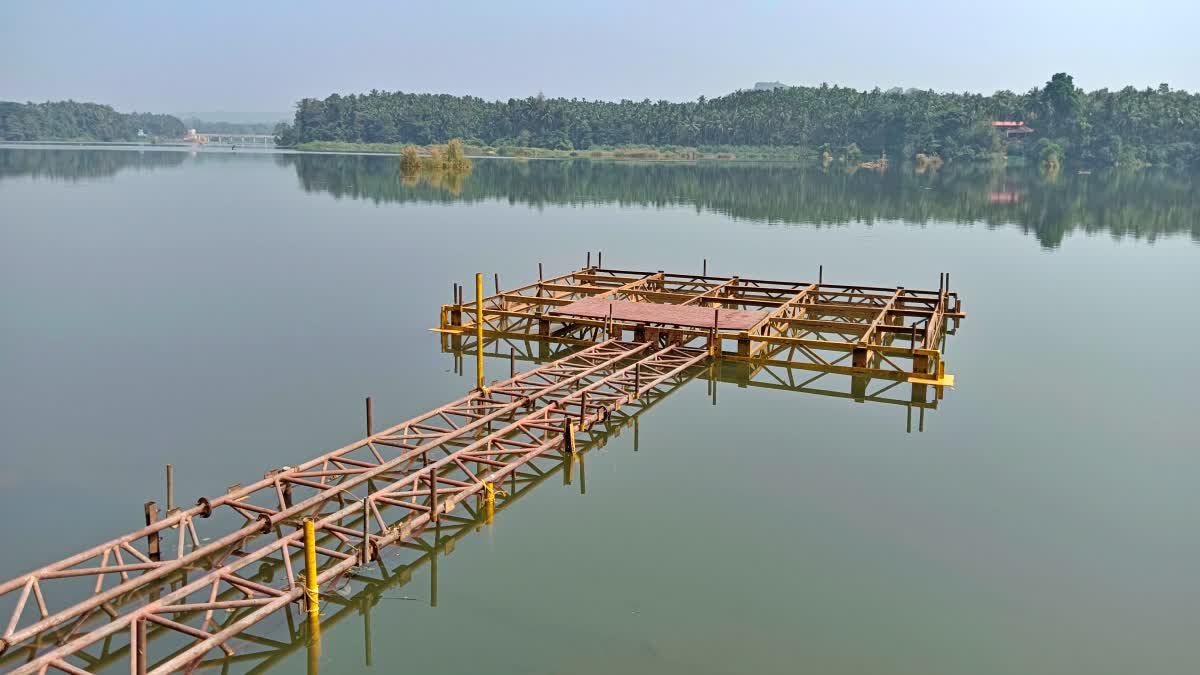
pixel 385 489
pixel 857 330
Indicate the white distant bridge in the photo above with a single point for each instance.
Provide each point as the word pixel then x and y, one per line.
pixel 218 138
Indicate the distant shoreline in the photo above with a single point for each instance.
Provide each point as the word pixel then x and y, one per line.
pixel 630 152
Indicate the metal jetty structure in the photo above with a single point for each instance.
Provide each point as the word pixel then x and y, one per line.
pixel 165 596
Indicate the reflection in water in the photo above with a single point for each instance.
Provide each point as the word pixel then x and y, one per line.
pixel 1141 204
pixel 76 165
pixel 915 398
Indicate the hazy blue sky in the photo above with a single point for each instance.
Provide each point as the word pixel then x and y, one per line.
pixel 263 56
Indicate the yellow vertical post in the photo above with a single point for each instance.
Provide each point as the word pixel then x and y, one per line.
pixel 479 332
pixel 310 571
pixel 490 504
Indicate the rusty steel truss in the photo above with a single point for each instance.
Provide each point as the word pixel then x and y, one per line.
pixel 165 596
pixel 856 330
pixel 183 573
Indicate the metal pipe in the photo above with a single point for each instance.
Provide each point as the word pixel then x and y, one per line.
pixel 369 425
pixel 170 487
pixel 479 333
pixel 365 554
pixel 311 587
pixel 152 541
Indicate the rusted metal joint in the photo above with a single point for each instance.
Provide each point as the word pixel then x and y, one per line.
pixel 205 507
pixel 267 526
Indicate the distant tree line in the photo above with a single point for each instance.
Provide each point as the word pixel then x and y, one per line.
pixel 72 120
pixel 1129 126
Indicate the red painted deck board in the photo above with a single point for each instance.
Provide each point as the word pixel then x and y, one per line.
pixel 656 313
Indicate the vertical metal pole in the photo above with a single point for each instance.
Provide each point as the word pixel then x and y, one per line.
pixel 599 259
pixel 637 379
pixel 497 278
pixel 569 438
pixel 170 487
pixel 141 646
pixel 479 332
pixel 705 272
pixel 369 425
pixel 589 260
pixel 490 504
pixel 820 275
pixel 433 496
pixel 539 272
pixel 152 539
pixel 365 554
pixel 512 362
pixel 311 590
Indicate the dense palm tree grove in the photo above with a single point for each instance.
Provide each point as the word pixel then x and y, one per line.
pixel 72 120
pixel 1158 126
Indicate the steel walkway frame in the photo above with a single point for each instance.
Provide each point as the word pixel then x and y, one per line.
pixel 535 412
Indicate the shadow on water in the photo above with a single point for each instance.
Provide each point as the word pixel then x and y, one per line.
pixel 1139 204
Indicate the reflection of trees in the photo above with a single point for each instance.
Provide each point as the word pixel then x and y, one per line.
pixel 1140 204
pixel 76 165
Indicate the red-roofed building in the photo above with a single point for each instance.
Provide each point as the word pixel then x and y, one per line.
pixel 1012 130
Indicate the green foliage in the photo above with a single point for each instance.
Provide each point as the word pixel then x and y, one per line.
pixel 71 120
pixel 1051 154
pixel 1159 126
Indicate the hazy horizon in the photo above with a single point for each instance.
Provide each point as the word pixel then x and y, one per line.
pixel 264 57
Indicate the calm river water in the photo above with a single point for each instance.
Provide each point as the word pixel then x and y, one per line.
pixel 227 312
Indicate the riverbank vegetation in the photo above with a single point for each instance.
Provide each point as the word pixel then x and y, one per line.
pixel 1157 126
pixel 75 121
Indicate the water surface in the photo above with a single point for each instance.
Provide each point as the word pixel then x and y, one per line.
pixel 227 312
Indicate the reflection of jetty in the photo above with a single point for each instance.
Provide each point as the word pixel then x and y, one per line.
pixel 196 580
